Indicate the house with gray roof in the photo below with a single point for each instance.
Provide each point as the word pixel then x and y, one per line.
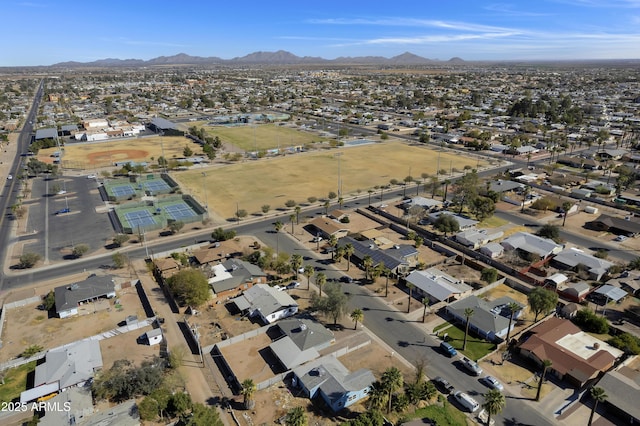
pixel 69 297
pixel 617 225
pixel 328 378
pixel 622 387
pixel 501 186
pixel 267 303
pixel 71 365
pixel 531 244
pixel 49 133
pixel 476 238
pixel 438 286
pixel 572 257
pixel 463 222
pixel 490 319
pixel 425 203
pixel 393 259
pixel 300 341
pixel 230 278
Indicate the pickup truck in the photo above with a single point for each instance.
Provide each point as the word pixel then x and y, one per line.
pixel 471 366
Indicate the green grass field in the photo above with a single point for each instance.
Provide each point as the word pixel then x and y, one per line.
pixel 273 181
pixel 15 382
pixel 263 137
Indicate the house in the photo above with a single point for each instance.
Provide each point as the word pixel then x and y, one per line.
pixel 232 277
pixel 569 310
pixel 48 133
pixel 328 378
pixel 476 238
pixel 300 341
pixel 438 286
pixel 463 222
pixel 493 250
pixel 426 203
pixel 576 356
pixel 575 292
pixel 627 227
pixel 396 265
pixel 525 242
pixel 165 127
pixel 490 319
pixel 166 266
pixel 622 387
pixel 153 337
pixel 501 186
pixel 267 303
pixel 65 367
pixel 571 258
pixel 326 227
pixel 69 297
pixel 555 280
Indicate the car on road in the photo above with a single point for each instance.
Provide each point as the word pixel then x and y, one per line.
pixel 91 176
pixel 293 284
pixel 346 279
pixel 9 177
pixel 471 366
pixel 62 211
pixel 466 401
pixel 620 238
pixel 443 385
pixel 493 383
pixel 61 192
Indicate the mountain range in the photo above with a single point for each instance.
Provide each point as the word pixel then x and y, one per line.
pixel 280 57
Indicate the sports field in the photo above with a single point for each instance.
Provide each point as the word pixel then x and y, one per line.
pixel 89 155
pixel 273 181
pixel 263 137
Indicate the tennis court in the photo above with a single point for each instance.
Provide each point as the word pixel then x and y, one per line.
pixel 156 186
pixel 139 219
pixel 179 211
pixel 122 191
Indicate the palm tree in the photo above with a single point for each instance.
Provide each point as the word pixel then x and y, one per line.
pixel 277 226
pixel 545 366
pixel 339 253
pixel 598 395
pixel 298 210
pixel 446 188
pixel 367 262
pixel 348 252
pixel 321 279
pixel 425 302
pixel 333 243
pixel 386 273
pixel 513 308
pixel 377 271
pixel 247 391
pixel 296 417
pixel 377 396
pixel 296 263
pixel 468 313
pixel 326 206
pixel 410 287
pixel 494 403
pixel 391 380
pixel 308 272
pixel 356 316
pixel 292 219
pixel 370 191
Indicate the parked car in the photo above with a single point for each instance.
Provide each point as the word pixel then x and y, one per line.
pixel 292 285
pixel 448 350
pixel 493 383
pixel 346 279
pixel 620 238
pixel 91 176
pixel 9 177
pixel 62 211
pixel 62 192
pixel 443 385
pixel 279 288
pixel 466 401
pixel 471 366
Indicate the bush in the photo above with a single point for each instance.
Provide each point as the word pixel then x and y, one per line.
pixel 589 321
pixel 489 275
pixel 28 260
pixel 626 342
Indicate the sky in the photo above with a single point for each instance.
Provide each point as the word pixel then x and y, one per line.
pixel 45 32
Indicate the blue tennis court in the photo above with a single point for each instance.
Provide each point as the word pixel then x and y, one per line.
pixel 139 218
pixel 179 211
pixel 156 186
pixel 123 190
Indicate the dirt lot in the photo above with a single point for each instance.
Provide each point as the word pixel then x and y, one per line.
pixel 53 332
pixel 112 348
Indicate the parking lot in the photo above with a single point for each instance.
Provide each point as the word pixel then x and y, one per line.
pixel 58 229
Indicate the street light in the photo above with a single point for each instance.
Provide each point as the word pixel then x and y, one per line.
pixel 338 155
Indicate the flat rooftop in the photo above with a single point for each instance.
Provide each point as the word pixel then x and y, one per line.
pixel 582 343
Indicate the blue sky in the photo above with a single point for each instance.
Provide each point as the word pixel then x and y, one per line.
pixel 44 32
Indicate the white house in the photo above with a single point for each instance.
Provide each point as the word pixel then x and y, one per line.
pixel 266 302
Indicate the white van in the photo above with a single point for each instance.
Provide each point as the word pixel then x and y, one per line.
pixel 466 401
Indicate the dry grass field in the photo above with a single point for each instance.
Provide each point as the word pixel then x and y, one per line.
pixel 273 181
pixel 105 154
pixel 263 136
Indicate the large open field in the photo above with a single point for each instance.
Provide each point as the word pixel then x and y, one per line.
pixel 104 154
pixel 251 184
pixel 263 136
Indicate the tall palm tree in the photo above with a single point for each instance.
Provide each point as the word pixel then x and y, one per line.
pixel 545 366
pixel 377 271
pixel 333 243
pixel 391 380
pixel 447 182
pixel 321 279
pixel 308 272
pixel 296 417
pixel 494 403
pixel 348 252
pixel 339 253
pixel 296 263
pixel 292 219
pixel 367 262
pixel 386 273
pixel 277 226
pixel 513 308
pixel 298 210
pixel 247 391
pixel 377 396
pixel 598 395
pixel 468 313
pixel 425 303
pixel 410 287
pixel 356 316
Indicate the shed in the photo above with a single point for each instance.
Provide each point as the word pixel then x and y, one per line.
pixel 611 293
pixel 154 336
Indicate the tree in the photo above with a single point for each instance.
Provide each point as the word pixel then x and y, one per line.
pixel 545 366
pixel 79 250
pixel 348 252
pixel 120 239
pixel 446 223
pixel 425 304
pixel 598 395
pixel 180 403
pixel 308 272
pixel 494 402
pixel 49 301
pixel 28 260
pixel 482 207
pixel 387 272
pixel 332 195
pixel 119 260
pixel 377 397
pixel 489 275
pixel 542 300
pixel 175 226
pixel 265 208
pixel 187 151
pixel 189 286
pixel 410 287
pixel 248 388
pixel 148 409
pixel 565 210
pixel 290 203
pixel 202 415
pixel 356 316
pixel 321 279
pixel 549 231
pixel 277 226
pixel 296 417
pixel 292 219
pixel 391 381
pixel 468 313
pixel 513 308
pixel 241 214
pixel 333 242
pixel 298 209
pixel 367 262
pixel 296 263
pixel 334 304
